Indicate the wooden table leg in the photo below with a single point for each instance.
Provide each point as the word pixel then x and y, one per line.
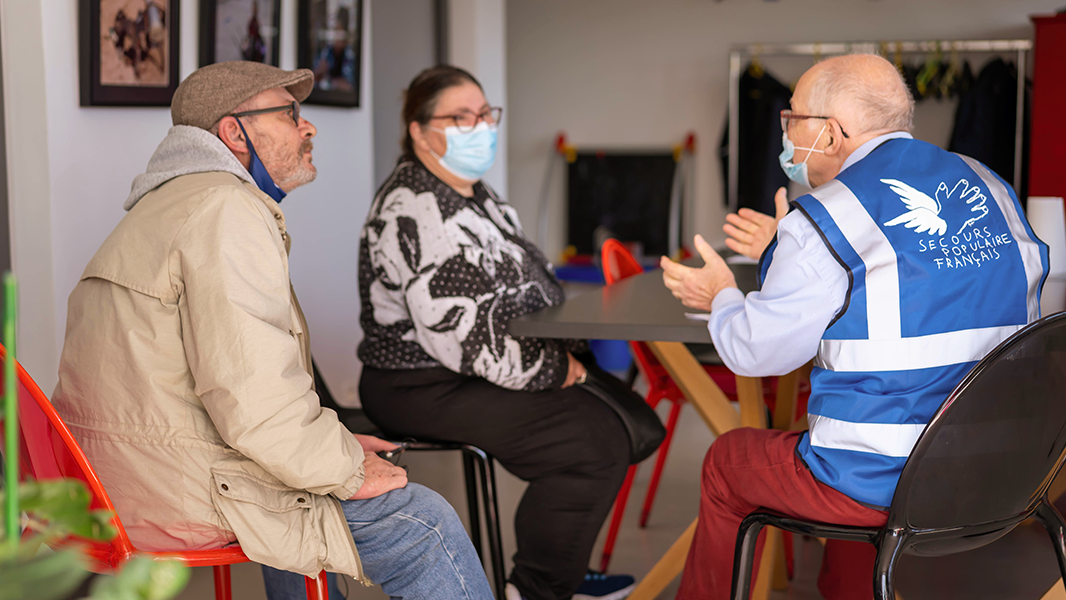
pixel 771 549
pixel 673 562
pixel 713 406
pixel 752 403
pixel 783 419
pixel 668 567
pixel 1058 487
pixel 785 401
pixel 1057 592
pixel 698 387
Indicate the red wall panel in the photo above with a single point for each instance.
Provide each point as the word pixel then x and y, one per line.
pixel 1047 162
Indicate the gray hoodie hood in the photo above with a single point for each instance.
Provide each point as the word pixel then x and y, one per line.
pixel 185 150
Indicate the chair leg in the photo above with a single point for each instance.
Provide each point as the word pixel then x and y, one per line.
pixel 222 583
pixel 492 516
pixel 660 461
pixel 1056 528
pixel 889 549
pixel 471 504
pixel 318 588
pixel 744 556
pixel 616 517
pixel 790 550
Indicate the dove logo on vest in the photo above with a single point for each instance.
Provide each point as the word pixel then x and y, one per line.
pixel 969 246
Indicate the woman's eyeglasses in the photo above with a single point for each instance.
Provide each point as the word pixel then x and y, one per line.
pixel 466 121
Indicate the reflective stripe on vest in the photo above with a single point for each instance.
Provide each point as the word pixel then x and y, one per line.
pixel 886 439
pixel 870 243
pixel 1027 247
pixel 908 354
pixel 886 349
pixel 919 314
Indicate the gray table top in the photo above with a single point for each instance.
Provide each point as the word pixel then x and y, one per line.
pixel 639 308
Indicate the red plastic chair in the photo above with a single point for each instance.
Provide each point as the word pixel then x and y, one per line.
pixel 619 264
pixel 49 451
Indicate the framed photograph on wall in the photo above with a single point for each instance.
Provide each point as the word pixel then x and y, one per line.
pixel 239 30
pixel 329 42
pixel 128 52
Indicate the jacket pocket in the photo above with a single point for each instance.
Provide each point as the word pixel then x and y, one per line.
pixel 274 524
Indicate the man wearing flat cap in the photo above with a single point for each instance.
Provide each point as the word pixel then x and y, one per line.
pixel 186 370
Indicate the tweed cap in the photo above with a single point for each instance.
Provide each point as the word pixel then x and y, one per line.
pixel 214 91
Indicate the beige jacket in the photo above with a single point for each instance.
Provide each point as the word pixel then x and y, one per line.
pixel 185 373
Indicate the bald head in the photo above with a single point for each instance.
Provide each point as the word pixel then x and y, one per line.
pixel 862 91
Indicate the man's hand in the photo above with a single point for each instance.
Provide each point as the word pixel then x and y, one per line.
pixel 381 477
pixel 574 370
pixel 372 444
pixel 750 232
pixel 696 288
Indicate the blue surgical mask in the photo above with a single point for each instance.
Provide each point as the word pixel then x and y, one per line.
pixel 259 172
pixel 470 154
pixel 797 173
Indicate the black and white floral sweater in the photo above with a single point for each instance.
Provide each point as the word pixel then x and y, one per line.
pixel 440 275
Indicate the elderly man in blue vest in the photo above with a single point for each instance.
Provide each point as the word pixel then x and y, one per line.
pixel 901 269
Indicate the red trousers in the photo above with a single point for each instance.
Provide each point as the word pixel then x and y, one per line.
pixel 746 469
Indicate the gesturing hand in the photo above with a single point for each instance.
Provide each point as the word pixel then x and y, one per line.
pixel 750 232
pixel 696 288
pixel 381 477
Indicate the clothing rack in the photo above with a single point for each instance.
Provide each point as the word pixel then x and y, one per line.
pixel 738 52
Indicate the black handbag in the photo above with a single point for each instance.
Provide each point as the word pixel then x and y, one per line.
pixel 645 429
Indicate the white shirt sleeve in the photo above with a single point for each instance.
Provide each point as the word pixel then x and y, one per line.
pixel 777 329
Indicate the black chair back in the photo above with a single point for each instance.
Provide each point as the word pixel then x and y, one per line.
pixel 987 457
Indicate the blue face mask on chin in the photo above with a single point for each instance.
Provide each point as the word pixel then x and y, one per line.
pixel 470 155
pixel 259 173
pixel 797 173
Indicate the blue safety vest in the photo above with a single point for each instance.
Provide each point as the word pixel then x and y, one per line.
pixel 942 267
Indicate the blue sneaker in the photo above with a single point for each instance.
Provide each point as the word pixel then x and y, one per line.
pixel 601 586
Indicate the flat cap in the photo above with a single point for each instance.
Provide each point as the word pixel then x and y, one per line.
pixel 215 91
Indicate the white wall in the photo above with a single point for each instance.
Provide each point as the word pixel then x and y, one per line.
pixel 405 43
pixel 93 154
pixel 29 186
pixel 477 42
pixel 325 218
pixel 70 169
pixel 628 73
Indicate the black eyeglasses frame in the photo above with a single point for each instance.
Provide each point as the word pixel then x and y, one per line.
pixel 294 106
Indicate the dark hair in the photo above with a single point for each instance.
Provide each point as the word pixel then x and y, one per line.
pixel 420 98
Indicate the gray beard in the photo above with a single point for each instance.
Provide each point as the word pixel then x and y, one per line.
pixel 302 175
pixel 292 173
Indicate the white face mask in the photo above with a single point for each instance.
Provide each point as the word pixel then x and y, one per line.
pixel 797 173
pixel 470 154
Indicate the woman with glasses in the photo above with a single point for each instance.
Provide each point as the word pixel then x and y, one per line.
pixel 443 266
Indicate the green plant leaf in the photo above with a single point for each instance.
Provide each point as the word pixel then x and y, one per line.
pixel 58 508
pixel 46 577
pixel 63 505
pixel 143 579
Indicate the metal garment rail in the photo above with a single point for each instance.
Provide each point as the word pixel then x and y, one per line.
pixel 739 52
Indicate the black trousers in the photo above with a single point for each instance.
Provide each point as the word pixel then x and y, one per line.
pixel 569 446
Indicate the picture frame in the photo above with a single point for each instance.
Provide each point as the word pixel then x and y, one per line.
pixel 239 30
pixel 128 52
pixel 329 41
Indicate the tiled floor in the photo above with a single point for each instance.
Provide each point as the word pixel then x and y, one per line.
pixel 1020 566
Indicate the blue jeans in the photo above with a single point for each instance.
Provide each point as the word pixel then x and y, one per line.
pixel 410 542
